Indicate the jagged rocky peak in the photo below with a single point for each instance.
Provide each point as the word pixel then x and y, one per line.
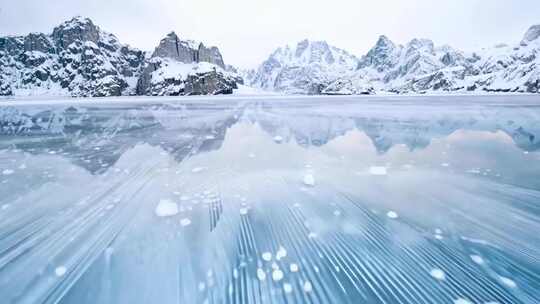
pixel 172 47
pixel 532 34
pixel 382 56
pixel 76 29
pixel 384 45
pixel 211 54
pixel 301 47
pixel 307 52
pixel 320 52
pixel 186 67
pixel 187 51
pixel 314 52
pixel 452 57
pixel 11 45
pixel 420 45
pixel 308 67
pixel 38 42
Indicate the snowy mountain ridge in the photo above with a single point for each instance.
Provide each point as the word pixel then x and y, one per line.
pixel 416 67
pixel 304 68
pixel 80 59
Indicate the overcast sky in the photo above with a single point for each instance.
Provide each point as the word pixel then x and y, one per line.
pixel 247 31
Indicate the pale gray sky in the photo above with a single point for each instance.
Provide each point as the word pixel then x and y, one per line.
pixel 247 31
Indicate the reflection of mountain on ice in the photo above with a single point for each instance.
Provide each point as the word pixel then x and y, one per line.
pixel 388 126
pixel 94 137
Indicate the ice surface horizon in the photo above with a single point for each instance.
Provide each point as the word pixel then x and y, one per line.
pixel 271 200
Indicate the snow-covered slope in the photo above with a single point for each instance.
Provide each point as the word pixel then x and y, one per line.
pixel 418 66
pixel 80 59
pixel 502 68
pixel 307 68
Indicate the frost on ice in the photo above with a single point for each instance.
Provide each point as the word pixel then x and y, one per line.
pixel 309 180
pixel 7 172
pixel 392 214
pixel 477 259
pixel 60 271
pixel 166 208
pixel 261 275
pixel 277 275
pixel 281 253
pixel 377 171
pixel 287 288
pixel 438 274
pixel 307 287
pixel 267 256
pixel 197 169
pixel 508 282
pixel 185 222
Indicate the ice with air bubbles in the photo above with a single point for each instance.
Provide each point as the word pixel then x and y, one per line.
pixel 343 199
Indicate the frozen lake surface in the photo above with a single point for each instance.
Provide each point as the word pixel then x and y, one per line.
pixel 271 200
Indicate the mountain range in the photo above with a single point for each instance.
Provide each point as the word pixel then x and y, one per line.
pixel 80 59
pixel 314 67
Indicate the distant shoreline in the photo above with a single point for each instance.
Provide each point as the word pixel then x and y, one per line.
pixel 68 100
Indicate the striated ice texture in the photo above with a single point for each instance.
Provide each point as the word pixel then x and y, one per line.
pixel 194 200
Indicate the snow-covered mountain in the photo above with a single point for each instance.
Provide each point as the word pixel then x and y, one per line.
pixel 185 68
pixel 307 68
pixel 80 59
pixel 76 59
pixel 419 66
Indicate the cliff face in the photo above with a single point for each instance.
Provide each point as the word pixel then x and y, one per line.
pixel 187 51
pixel 80 59
pixel 185 67
pixel 77 59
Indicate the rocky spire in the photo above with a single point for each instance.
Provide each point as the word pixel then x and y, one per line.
pixel 187 51
pixel 76 29
pixel 532 34
pixel 381 56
